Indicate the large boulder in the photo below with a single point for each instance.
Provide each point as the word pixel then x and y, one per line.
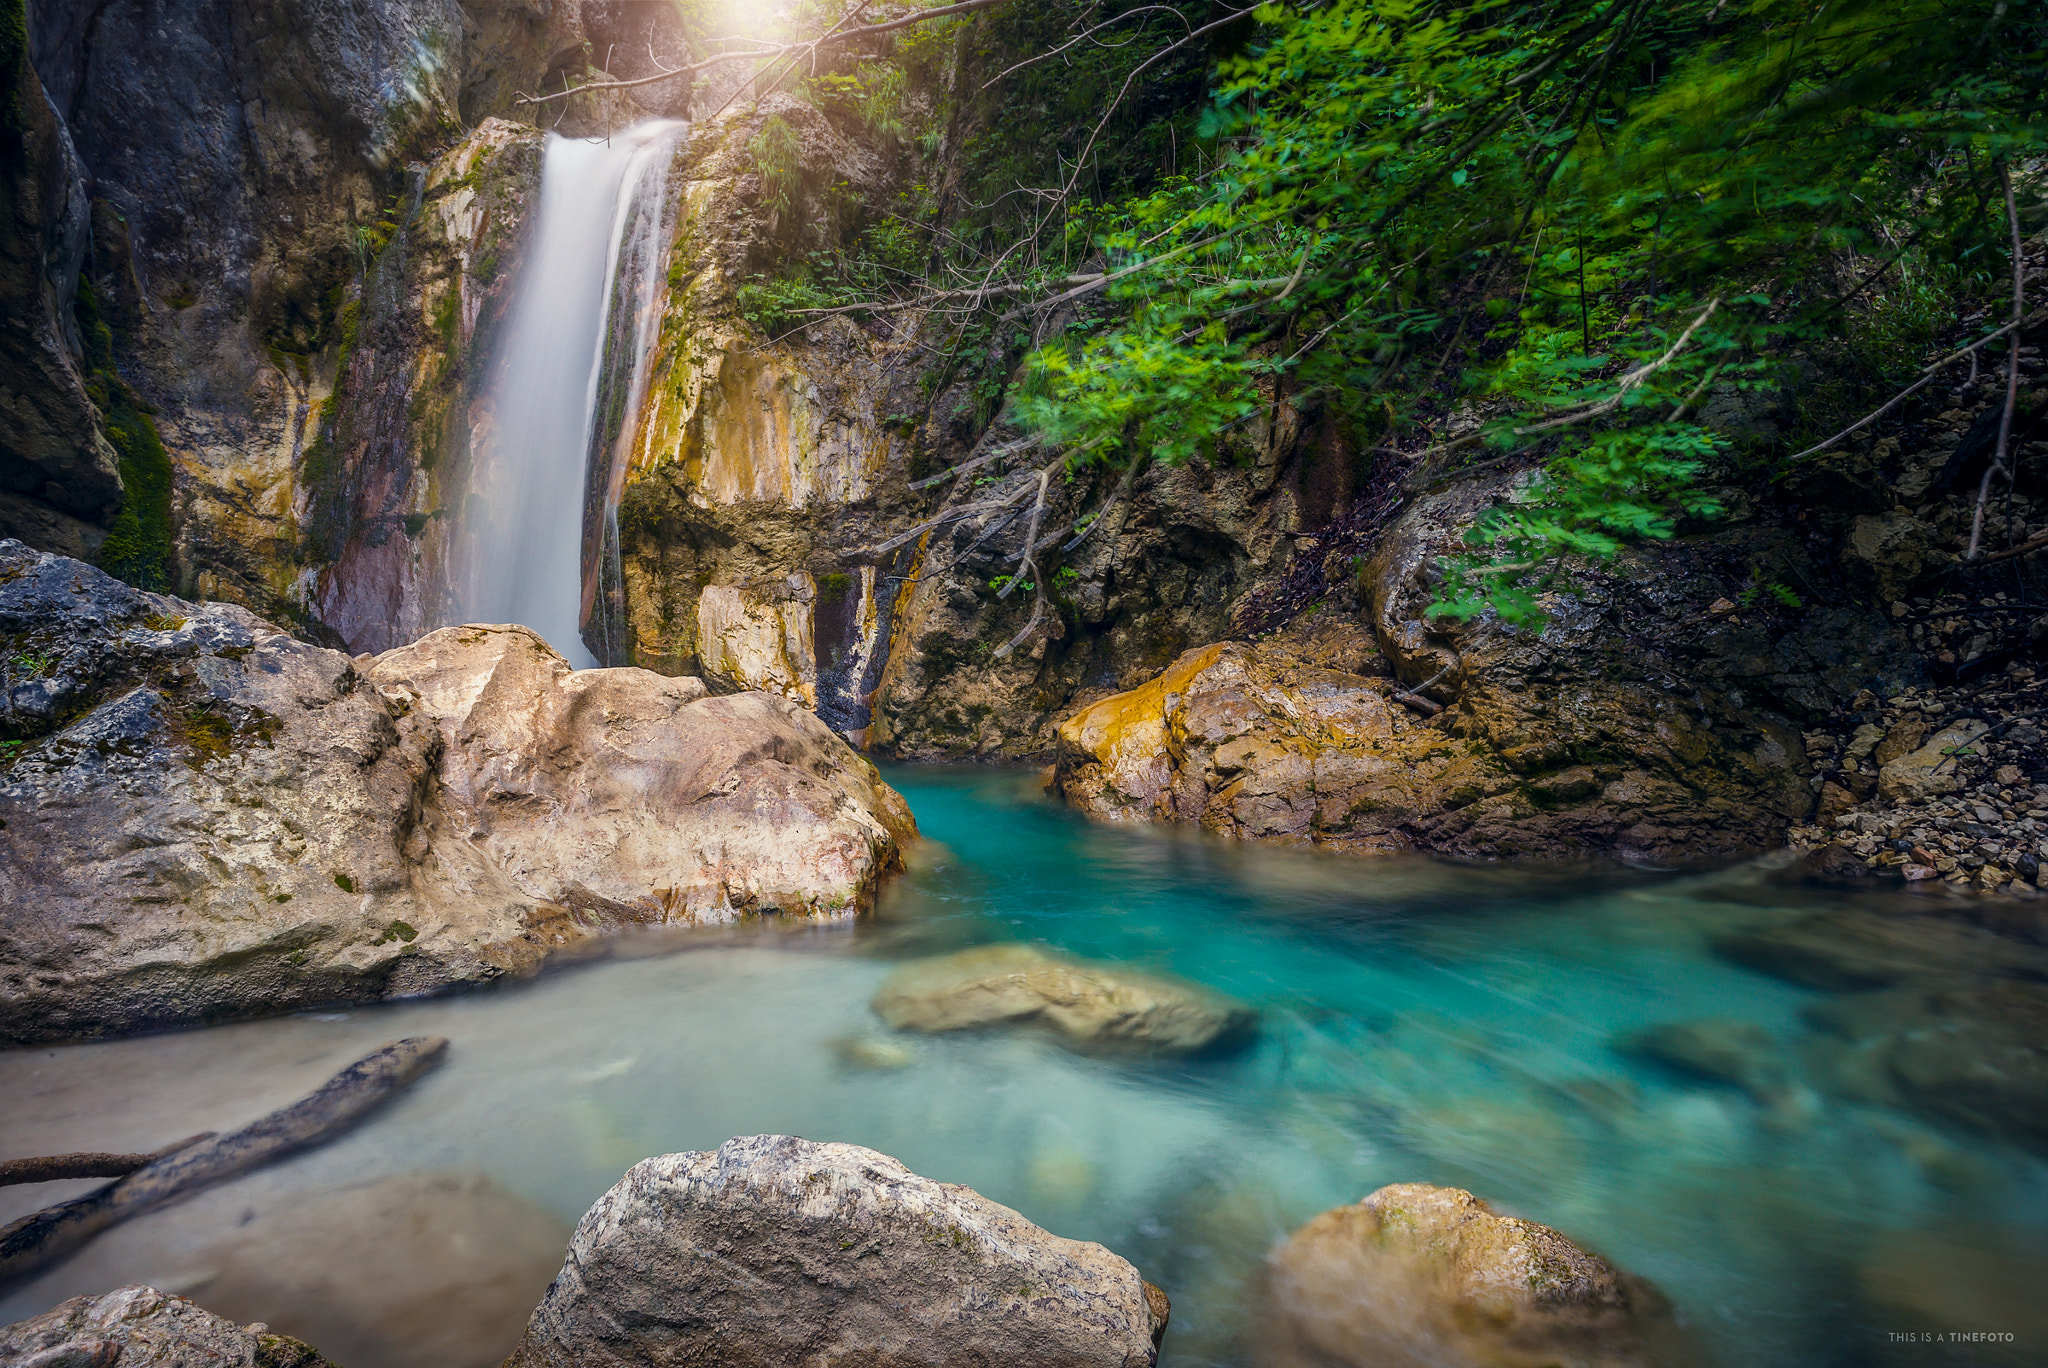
pixel 1246 741
pixel 201 817
pixel 137 1325
pixel 1092 1006
pixel 1416 1276
pixel 1930 768
pixel 774 1251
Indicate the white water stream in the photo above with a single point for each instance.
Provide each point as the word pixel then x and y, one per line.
pixel 519 549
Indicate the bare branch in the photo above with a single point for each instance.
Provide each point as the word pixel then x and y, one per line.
pixel 1631 381
pixel 1083 36
pixel 1925 376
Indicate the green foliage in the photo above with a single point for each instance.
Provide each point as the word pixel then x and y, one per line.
pixel 1573 220
pixel 873 93
pixel 777 158
pixel 772 304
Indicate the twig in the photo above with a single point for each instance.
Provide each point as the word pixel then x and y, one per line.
pixel 2039 542
pixel 1413 698
pixel 2012 371
pixel 1629 382
pixel 1925 376
pixel 52 1168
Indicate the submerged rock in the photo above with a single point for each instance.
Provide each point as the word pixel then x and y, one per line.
pixel 1092 1005
pixel 1416 1276
pixel 1724 1049
pixel 1848 948
pixel 201 817
pixel 775 1251
pixel 137 1325
pixel 1972 1054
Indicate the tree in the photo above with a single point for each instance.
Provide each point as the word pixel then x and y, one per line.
pixel 1580 216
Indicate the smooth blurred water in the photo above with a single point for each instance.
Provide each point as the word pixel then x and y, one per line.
pixel 1419 1023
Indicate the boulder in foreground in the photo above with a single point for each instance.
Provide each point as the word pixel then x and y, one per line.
pixel 773 1251
pixel 1417 1276
pixel 140 1325
pixel 1090 1005
pixel 202 817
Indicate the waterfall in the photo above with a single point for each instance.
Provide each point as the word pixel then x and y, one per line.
pixel 521 553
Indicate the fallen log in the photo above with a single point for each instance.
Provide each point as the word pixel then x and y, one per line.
pixel 50 1168
pixel 44 1236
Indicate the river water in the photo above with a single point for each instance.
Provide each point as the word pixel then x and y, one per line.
pixel 1419 1022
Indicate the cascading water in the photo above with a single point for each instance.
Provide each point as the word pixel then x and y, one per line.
pixel 521 552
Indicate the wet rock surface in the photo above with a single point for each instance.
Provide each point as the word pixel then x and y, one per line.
pixel 135 1325
pixel 774 1250
pixel 205 818
pixel 1094 1007
pixel 1574 742
pixel 1416 1276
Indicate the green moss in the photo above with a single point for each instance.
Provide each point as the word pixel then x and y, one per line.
pixel 344 883
pixel 138 546
pixel 205 735
pixel 320 469
pixel 397 931
pixel 13 57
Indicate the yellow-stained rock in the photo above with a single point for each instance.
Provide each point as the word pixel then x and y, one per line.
pixel 1093 1005
pixel 1416 1276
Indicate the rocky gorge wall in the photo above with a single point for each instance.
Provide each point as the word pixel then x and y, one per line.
pixel 309 311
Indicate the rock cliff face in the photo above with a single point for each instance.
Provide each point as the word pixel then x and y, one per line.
pixel 202 817
pixel 58 478
pixel 769 484
pixel 1638 723
pixel 239 171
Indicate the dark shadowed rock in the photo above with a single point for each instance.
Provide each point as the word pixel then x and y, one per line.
pixel 776 1251
pixel 1723 1049
pixel 1971 1053
pixel 1635 724
pixel 1417 1276
pixel 1847 948
pixel 140 1325
pixel 202 817
pixel 1090 1005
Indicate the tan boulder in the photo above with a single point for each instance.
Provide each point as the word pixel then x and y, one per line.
pixel 639 794
pixel 206 818
pixel 1089 1005
pixel 774 1251
pixel 1930 769
pixel 1249 742
pixel 1416 1276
